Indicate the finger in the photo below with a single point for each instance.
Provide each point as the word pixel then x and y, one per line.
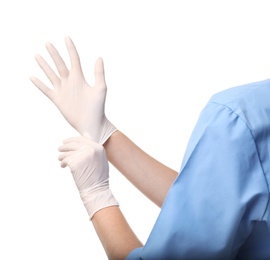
pixel 42 87
pixel 47 70
pixel 68 161
pixel 73 54
pixel 64 163
pixel 58 61
pixel 69 147
pixel 99 74
pixel 63 155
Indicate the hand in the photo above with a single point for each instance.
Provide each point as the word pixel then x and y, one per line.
pixel 90 169
pixel 81 105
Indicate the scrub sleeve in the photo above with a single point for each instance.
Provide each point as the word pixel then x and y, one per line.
pixel 218 204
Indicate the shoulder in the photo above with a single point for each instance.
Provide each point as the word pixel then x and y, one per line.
pixel 257 92
pixel 250 102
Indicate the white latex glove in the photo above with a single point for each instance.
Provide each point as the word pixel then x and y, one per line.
pixel 81 104
pixel 89 165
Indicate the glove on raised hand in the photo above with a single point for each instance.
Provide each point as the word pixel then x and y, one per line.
pixel 81 105
pixel 89 165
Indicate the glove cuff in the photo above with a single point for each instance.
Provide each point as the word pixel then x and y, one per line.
pixel 98 201
pixel 107 130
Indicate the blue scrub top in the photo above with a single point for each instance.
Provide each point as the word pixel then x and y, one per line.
pixel 218 207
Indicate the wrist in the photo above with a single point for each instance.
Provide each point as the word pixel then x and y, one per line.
pixel 98 200
pixel 107 129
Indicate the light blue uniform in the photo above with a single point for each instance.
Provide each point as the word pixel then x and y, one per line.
pixel 218 207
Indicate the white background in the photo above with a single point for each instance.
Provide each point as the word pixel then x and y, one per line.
pixel 163 61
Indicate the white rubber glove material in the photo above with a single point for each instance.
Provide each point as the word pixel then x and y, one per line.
pixel 81 104
pixel 88 163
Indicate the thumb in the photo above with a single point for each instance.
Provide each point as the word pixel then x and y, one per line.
pixel 99 74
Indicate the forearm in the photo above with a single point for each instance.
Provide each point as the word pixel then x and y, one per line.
pixel 151 177
pixel 114 233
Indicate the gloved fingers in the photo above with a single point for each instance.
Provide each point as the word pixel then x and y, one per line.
pixel 71 159
pixel 47 70
pixel 74 56
pixel 42 87
pixel 67 161
pixel 72 146
pixel 58 61
pixel 99 74
pixel 63 155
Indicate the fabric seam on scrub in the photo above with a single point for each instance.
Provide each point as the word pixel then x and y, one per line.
pixel 267 184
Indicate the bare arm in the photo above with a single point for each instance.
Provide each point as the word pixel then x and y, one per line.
pixel 114 233
pixel 151 177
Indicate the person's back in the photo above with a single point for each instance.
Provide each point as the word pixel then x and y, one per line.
pixel 218 207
